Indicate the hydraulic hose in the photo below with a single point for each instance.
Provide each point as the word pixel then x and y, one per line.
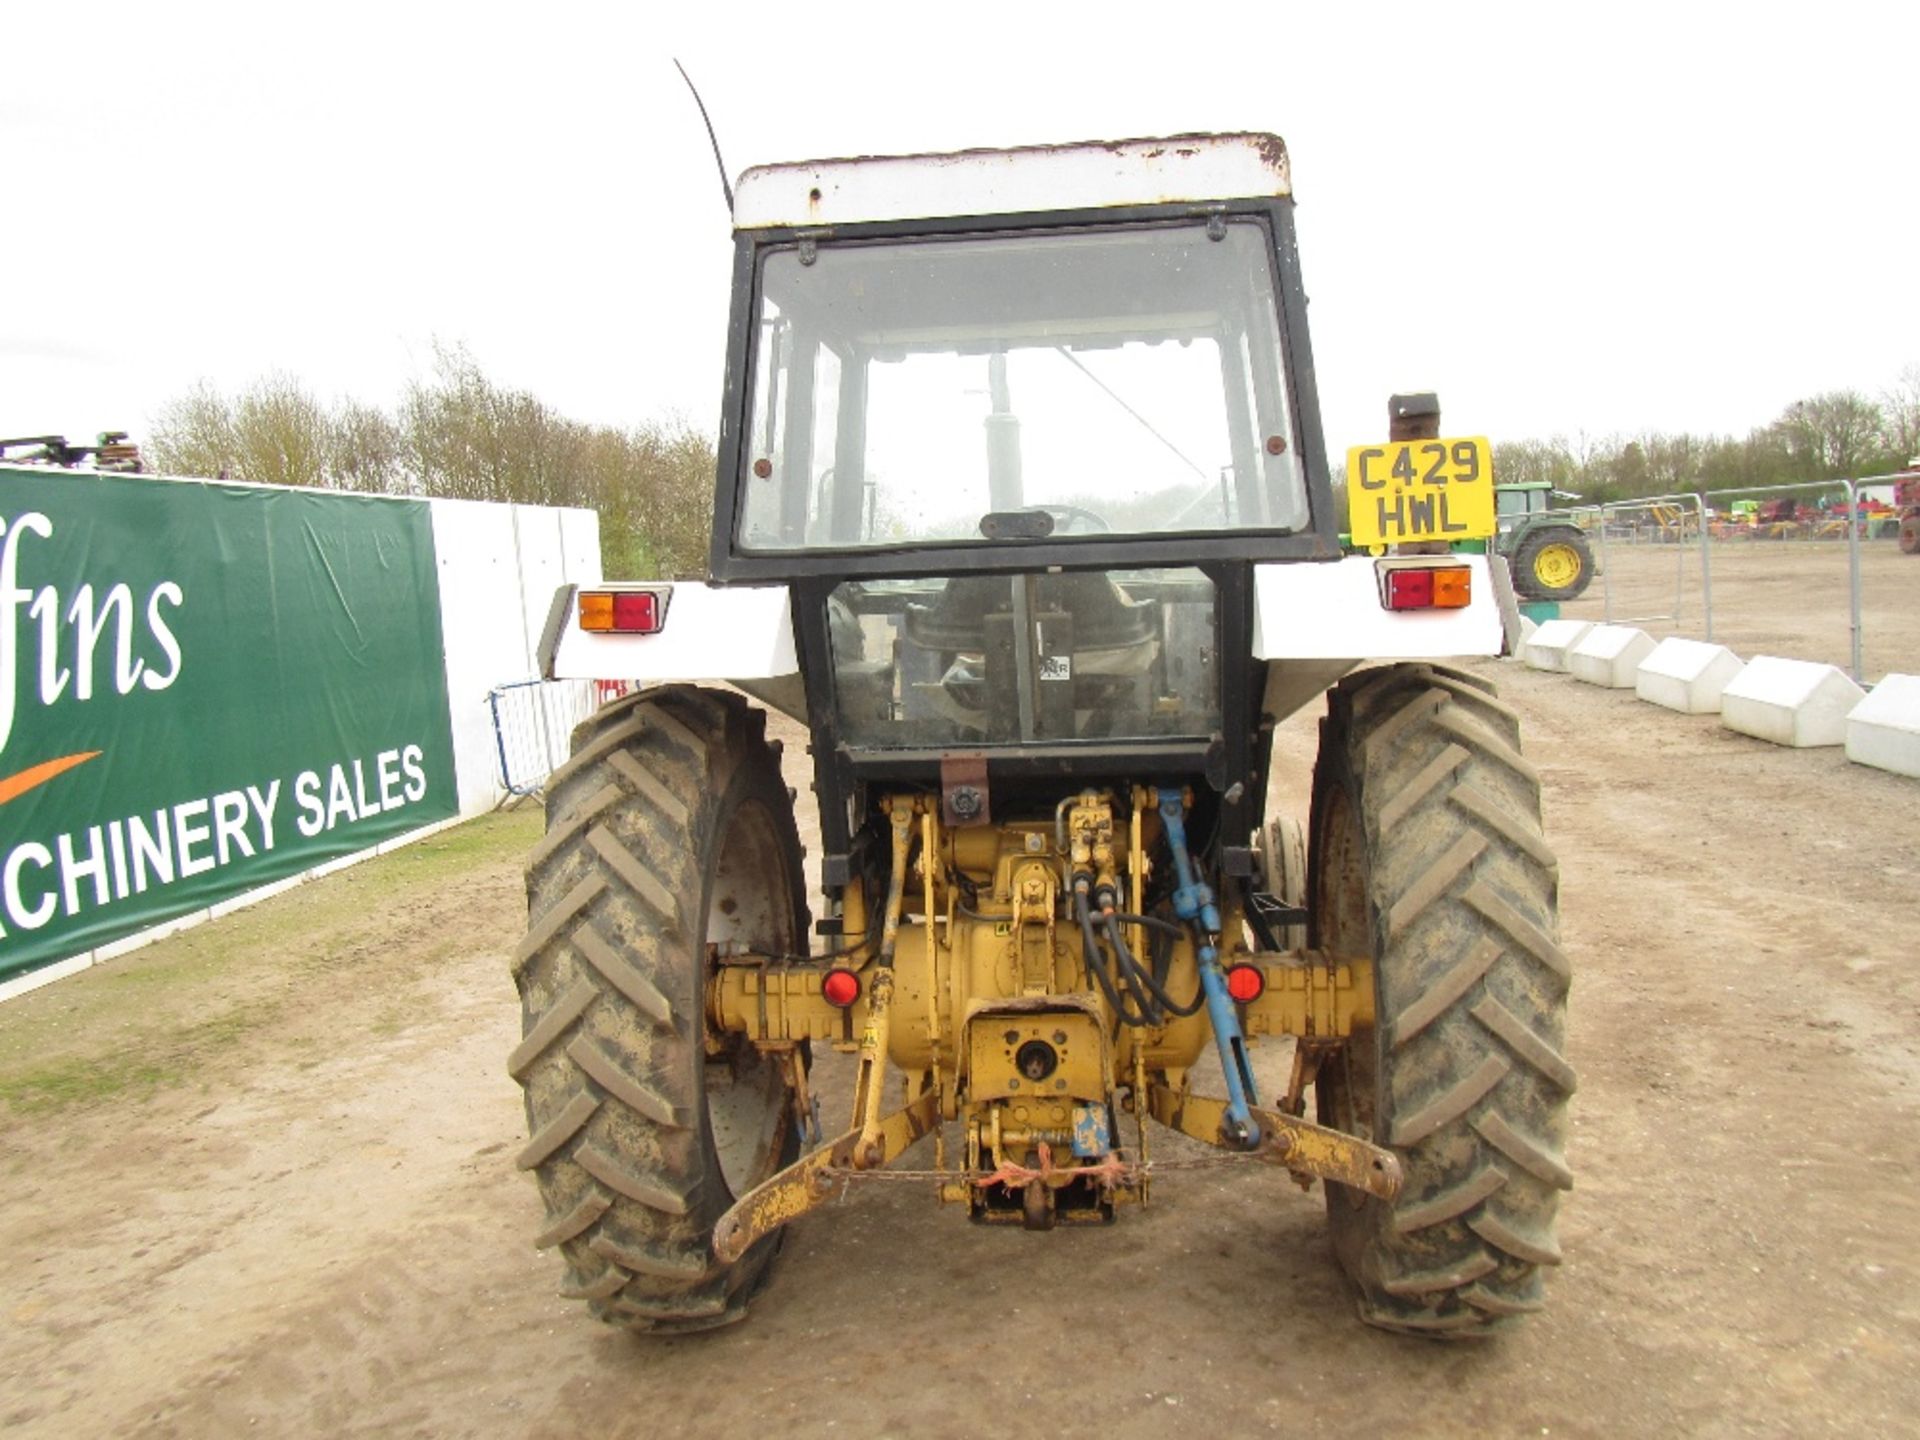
pixel 1096 962
pixel 1132 968
pixel 1151 922
pixel 1151 1005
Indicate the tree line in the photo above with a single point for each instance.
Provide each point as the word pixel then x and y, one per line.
pixel 460 435
pixel 1842 434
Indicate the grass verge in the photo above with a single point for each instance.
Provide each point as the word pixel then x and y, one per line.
pixel 168 1012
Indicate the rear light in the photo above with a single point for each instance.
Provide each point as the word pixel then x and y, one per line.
pixel 840 988
pixel 1409 590
pixel 1427 587
pixel 623 612
pixel 1246 983
pixel 1452 589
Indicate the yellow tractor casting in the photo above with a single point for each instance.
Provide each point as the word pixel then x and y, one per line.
pixel 1023 514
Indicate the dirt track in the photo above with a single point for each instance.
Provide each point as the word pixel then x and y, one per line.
pixel 307 1220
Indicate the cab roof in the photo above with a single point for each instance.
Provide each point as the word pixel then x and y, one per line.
pixel 1089 175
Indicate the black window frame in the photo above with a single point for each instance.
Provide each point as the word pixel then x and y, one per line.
pixel 730 563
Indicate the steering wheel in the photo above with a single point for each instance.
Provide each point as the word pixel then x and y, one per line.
pixel 1066 515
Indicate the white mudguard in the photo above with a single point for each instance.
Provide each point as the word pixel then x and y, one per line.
pixel 1329 612
pixel 737 633
pixel 1333 612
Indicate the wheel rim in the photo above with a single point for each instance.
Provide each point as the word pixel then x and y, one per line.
pixel 1280 851
pixel 750 908
pixel 1557 565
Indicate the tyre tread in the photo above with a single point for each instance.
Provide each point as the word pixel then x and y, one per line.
pixel 1471 986
pixel 612 1057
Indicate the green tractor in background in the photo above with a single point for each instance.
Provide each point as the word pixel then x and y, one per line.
pixel 1548 554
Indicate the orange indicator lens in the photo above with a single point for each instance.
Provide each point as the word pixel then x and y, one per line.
pixel 1453 589
pixel 596 610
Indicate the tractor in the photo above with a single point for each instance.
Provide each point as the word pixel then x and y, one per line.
pixel 1023 513
pixel 1550 557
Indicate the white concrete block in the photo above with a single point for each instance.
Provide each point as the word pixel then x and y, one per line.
pixel 1527 627
pixel 1609 655
pixel 1548 648
pixel 1687 675
pixel 1790 702
pixel 1883 730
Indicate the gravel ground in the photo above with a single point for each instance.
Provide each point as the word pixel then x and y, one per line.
pixel 259 1179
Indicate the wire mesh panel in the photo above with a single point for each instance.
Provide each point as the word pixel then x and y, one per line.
pixel 1807 571
pixel 533 724
pixel 1786 571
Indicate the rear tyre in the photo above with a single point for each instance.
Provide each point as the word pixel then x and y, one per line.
pixel 1427 854
pixel 1553 562
pixel 669 835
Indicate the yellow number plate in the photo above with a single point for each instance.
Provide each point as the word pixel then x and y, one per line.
pixel 1420 490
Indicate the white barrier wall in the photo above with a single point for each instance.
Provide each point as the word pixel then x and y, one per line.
pixel 499 566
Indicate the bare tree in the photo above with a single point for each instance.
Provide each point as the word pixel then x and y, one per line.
pixel 365 451
pixel 1900 405
pixel 1832 435
pixel 1521 462
pixel 463 436
pixel 280 433
pixel 194 435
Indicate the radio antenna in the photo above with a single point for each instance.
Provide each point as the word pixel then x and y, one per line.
pixel 713 139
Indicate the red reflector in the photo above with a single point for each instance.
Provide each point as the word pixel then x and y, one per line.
pixel 1246 983
pixel 840 988
pixel 636 612
pixel 1409 589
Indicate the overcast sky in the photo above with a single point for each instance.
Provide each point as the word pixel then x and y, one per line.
pixel 1602 218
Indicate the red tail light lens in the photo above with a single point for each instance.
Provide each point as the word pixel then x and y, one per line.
pixel 840 988
pixel 1409 589
pixel 637 613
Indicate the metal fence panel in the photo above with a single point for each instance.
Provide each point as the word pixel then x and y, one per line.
pixel 533 722
pixel 1755 615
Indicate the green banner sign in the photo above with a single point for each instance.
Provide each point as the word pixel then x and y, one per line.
pixel 203 688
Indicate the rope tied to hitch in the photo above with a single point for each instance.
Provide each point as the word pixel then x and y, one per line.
pixel 1111 1171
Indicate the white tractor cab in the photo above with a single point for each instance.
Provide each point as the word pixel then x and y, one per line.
pixel 1023 511
pixel 1040 360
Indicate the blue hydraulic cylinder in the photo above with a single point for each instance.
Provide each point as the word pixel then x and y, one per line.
pixel 1193 903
